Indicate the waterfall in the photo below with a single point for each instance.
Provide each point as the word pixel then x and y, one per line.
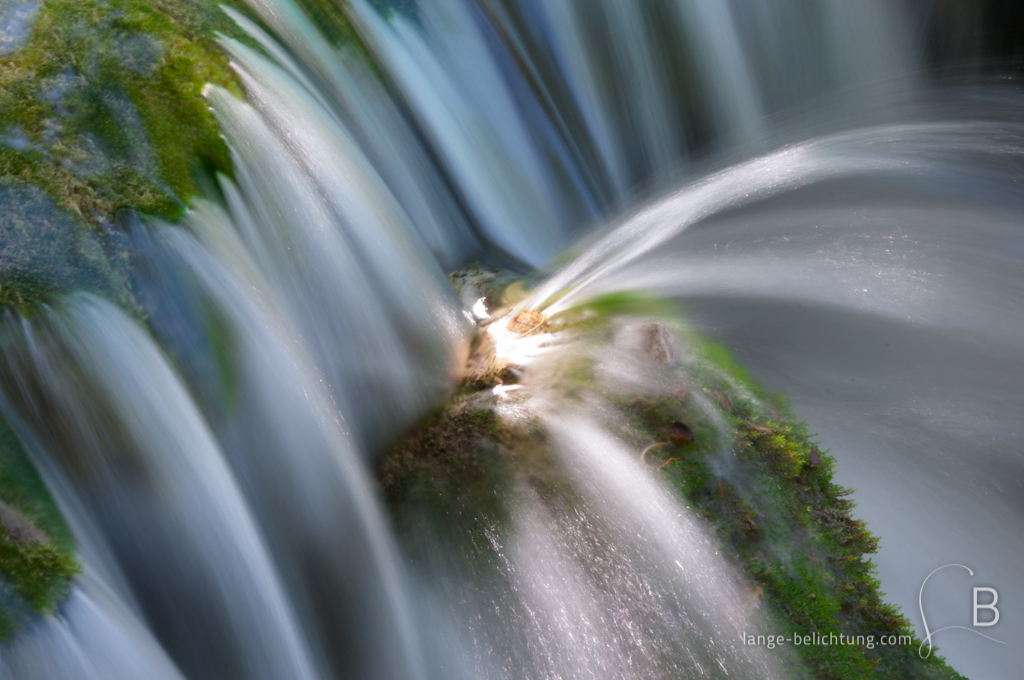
pixel 212 448
pixel 98 639
pixel 314 506
pixel 132 456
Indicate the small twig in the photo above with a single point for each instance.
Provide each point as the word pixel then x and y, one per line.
pixel 526 333
pixel 643 456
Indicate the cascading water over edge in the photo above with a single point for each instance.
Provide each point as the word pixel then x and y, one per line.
pixel 211 445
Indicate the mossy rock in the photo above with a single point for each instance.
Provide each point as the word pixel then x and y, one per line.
pixel 102 106
pixel 45 251
pixel 37 561
pixel 790 528
pixel 728 449
pixel 101 110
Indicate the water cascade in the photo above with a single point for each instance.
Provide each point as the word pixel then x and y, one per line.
pixel 852 232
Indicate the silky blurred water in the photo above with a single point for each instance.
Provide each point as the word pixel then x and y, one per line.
pixel 846 221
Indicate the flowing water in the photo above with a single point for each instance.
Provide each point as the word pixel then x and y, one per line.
pixel 850 229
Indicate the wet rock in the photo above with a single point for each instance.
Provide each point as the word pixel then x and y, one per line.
pixel 18 527
pixel 35 572
pixel 108 95
pixel 43 252
pixel 530 321
pixel 680 432
pixel 723 401
pixel 657 343
pixel 484 367
pixel 447 467
pixel 16 139
pixel 475 282
pixel 511 375
pixel 16 20
pixel 139 53
pixel 56 89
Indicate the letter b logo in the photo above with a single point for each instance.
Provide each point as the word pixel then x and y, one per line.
pixel 991 605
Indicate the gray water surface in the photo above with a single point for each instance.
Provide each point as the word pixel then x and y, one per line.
pixel 891 315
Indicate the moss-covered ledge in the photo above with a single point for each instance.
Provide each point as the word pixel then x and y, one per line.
pixel 37 562
pixel 729 450
pixel 101 110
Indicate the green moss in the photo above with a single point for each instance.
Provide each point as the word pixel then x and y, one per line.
pixel 102 110
pixel 452 455
pixel 759 480
pixel 40 572
pixel 618 304
pixel 445 484
pixel 790 527
pixel 23 292
pixel 23 489
pixel 108 97
pixel 37 568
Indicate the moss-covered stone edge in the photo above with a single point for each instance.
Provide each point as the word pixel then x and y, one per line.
pixel 37 560
pixel 102 110
pixel 88 129
pixel 788 525
pixel 81 51
pixel 775 507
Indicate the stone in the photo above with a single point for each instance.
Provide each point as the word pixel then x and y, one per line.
pixel 140 53
pixel 680 432
pixel 657 343
pixel 528 322
pixel 16 19
pixel 18 527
